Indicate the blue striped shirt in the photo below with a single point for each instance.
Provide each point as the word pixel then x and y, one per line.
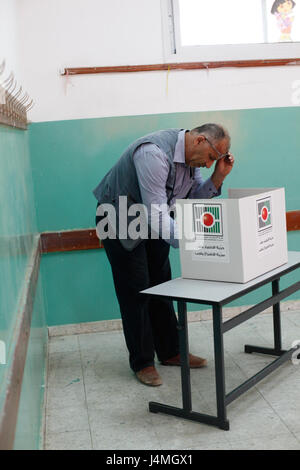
pixel 152 167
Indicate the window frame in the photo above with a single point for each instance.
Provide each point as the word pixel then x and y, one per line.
pixel 175 52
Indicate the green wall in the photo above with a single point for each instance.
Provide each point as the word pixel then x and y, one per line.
pixel 17 235
pixel 70 157
pixel 17 223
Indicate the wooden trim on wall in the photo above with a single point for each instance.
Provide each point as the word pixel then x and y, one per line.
pixel 182 66
pixel 70 240
pixel 293 220
pixel 86 239
pixel 14 377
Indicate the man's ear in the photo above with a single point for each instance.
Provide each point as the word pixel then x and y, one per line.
pixel 200 138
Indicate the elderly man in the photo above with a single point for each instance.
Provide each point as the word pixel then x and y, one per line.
pixel 155 170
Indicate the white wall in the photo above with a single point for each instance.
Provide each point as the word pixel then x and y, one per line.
pixel 8 50
pixel 53 34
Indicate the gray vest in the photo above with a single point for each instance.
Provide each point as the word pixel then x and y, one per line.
pixel 122 179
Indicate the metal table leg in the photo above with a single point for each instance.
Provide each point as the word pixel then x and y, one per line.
pixel 277 350
pixel 276 318
pixel 184 356
pixel 186 411
pixel 219 366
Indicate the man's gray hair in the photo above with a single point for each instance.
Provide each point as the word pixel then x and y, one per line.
pixel 214 132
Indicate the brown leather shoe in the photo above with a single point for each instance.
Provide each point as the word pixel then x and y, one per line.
pixel 195 361
pixel 149 376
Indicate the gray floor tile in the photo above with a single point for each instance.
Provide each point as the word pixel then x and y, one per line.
pixel 63 377
pixel 125 437
pixel 67 419
pixel 92 393
pixel 76 440
pixel 63 368
pixel 297 436
pixel 176 433
pixel 98 342
pixel 104 395
pixel 210 446
pixel 118 417
pixel 63 343
pixel 275 442
pixel 70 395
pixel 251 416
pixel 283 397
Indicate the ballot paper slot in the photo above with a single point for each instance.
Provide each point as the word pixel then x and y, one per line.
pixel 234 239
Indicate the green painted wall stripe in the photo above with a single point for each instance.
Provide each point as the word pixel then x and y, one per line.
pixel 17 231
pixel 70 157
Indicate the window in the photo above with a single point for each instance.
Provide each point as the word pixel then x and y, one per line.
pixel 232 29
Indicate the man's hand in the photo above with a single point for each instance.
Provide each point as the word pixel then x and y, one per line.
pixel 224 165
pixel 222 169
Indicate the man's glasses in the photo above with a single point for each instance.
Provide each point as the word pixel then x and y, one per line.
pixel 220 155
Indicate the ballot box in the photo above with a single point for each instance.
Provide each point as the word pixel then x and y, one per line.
pixel 234 239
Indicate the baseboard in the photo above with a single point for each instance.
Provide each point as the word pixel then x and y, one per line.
pixel 115 325
pixel 88 327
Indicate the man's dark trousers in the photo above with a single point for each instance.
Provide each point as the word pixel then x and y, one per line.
pixel 149 325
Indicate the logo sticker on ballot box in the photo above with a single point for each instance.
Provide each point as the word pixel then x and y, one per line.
pixel 265 238
pixel 208 220
pixel 208 227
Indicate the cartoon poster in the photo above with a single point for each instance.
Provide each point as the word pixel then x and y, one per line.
pixel 283 10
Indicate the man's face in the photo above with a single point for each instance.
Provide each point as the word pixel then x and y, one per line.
pixel 204 155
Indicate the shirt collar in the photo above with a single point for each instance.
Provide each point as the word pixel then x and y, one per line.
pixel 179 154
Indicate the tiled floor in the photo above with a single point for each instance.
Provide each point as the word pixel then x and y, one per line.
pixel 95 402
